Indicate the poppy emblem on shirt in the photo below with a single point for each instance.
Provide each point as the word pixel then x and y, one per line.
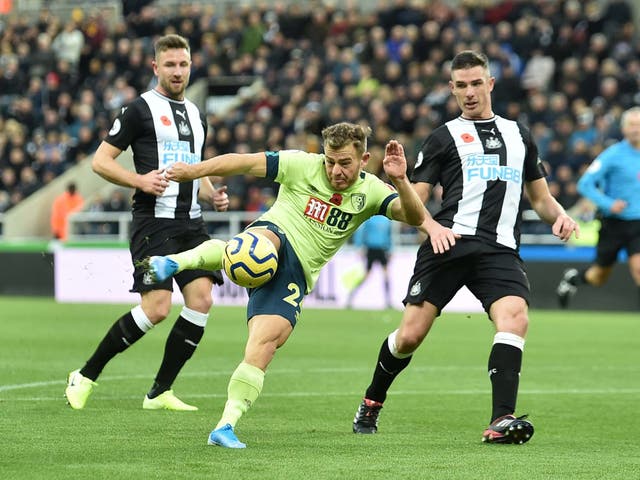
pixel 165 120
pixel 467 138
pixel 336 199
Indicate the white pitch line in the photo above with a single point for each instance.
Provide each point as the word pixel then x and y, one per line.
pixel 570 391
pixel 311 371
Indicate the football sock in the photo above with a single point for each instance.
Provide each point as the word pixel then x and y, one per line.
pixel 390 364
pixel 127 330
pixel 207 255
pixel 581 278
pixel 244 388
pixel 180 346
pixel 505 361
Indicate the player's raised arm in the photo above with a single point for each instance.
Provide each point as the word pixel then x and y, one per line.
pixel 220 166
pixel 408 208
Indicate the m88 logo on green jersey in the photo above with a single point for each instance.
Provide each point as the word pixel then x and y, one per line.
pixel 327 214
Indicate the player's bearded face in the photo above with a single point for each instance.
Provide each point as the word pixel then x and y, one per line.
pixel 173 68
pixel 343 166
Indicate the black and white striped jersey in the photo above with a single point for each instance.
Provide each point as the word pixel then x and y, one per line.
pixel 161 132
pixel 482 166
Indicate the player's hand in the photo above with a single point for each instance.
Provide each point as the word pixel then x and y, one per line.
pixel 441 238
pixel 564 226
pixel 220 199
pixel 180 172
pixel 618 206
pixel 153 182
pixel 394 162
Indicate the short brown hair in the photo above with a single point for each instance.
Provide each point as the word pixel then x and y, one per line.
pixel 469 59
pixel 345 133
pixel 171 41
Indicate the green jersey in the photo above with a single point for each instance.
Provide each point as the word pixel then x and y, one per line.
pixel 317 219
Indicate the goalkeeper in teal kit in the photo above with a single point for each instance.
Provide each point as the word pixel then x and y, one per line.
pixel 323 199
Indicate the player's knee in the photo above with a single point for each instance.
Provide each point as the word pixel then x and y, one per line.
pixel 517 323
pixel 201 303
pixel 158 312
pixel 408 339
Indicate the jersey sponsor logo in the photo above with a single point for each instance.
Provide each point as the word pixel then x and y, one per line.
pixel 172 151
pixel 327 217
pixel 492 131
pixel 487 167
pixel 117 125
pixel 358 200
pixel 182 114
pixel 467 138
pixel 165 120
pixel 317 209
pixel 492 143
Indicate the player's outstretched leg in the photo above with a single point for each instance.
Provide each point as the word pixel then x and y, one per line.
pixel 207 256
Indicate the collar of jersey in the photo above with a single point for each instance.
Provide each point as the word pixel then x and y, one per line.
pixel 482 120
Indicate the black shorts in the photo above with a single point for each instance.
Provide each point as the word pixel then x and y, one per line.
pixel 489 272
pixel 615 235
pixel 163 236
pixel 377 255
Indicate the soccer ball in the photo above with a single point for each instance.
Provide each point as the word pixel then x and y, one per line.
pixel 250 259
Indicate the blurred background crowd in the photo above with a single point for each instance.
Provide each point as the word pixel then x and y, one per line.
pixel 567 69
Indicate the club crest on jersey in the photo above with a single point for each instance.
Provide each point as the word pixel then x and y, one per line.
pixel 184 129
pixel 492 143
pixel 358 200
pixel 415 289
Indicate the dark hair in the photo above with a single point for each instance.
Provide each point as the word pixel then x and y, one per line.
pixel 469 59
pixel 344 133
pixel 168 42
pixel 71 188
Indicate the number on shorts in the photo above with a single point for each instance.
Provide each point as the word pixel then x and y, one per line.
pixel 295 295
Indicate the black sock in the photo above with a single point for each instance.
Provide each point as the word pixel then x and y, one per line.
pixel 122 334
pixel 581 278
pixel 181 343
pixel 504 370
pixel 387 369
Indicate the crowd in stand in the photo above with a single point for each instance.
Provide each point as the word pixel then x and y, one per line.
pixel 566 68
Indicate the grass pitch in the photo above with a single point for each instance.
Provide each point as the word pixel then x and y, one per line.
pixel 580 384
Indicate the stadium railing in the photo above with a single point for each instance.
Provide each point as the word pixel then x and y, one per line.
pixel 93 226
